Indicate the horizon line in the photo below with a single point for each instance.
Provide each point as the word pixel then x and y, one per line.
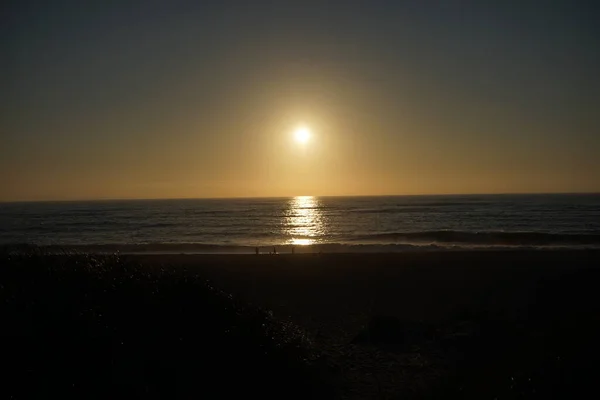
pixel 289 197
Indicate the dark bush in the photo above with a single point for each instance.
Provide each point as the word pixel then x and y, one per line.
pixel 80 325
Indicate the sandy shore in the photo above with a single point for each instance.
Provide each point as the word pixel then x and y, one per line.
pixel 522 309
pixel 412 286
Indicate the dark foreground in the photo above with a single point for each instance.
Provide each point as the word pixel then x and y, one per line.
pixel 419 325
pixel 82 326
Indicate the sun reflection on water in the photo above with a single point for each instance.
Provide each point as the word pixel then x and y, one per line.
pixel 304 221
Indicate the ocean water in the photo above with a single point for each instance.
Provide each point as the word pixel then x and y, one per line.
pixel 389 223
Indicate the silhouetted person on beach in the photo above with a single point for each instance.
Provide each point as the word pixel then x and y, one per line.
pixel 293 249
pixel 256 251
pixel 274 250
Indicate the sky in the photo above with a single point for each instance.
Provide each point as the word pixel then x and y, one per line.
pixel 170 99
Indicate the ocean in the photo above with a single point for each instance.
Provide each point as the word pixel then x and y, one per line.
pixel 308 224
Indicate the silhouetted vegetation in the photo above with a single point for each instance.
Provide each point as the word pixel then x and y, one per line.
pixel 89 326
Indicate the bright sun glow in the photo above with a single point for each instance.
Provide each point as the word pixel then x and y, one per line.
pixel 302 135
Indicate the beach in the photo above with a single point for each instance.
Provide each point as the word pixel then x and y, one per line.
pixel 428 286
pixel 469 324
pixel 414 325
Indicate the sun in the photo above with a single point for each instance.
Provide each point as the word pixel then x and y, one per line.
pixel 302 134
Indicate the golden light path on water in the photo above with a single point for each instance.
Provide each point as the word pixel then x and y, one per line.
pixel 304 221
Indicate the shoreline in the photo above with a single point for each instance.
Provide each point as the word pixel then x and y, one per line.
pixel 289 249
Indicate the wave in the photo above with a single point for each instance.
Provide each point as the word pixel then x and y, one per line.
pixel 483 238
pixel 396 210
pixel 423 207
